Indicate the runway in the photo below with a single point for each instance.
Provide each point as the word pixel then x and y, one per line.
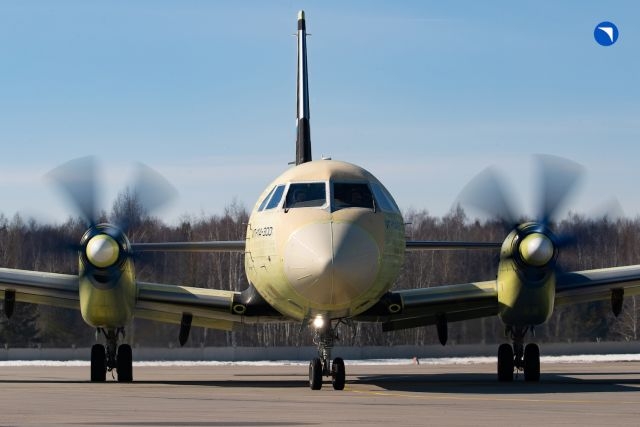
pixel 603 393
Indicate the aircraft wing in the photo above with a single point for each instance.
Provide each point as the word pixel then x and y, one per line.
pixel 239 246
pixel 211 246
pixel 594 285
pixel 431 245
pixel 167 303
pixel 425 306
pixel 413 307
pixel 211 308
pixel 60 290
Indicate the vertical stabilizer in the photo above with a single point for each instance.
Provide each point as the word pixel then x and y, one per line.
pixel 303 137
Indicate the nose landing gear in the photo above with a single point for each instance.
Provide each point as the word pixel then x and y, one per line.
pixel 325 337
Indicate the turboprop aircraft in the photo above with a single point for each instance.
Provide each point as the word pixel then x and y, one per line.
pixel 324 245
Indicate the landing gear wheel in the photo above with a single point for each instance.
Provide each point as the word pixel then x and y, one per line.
pixel 338 374
pixel 98 363
pixel 125 363
pixel 505 363
pixel 532 363
pixel 315 374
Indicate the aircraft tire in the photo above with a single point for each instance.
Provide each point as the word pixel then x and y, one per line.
pixel 532 363
pixel 505 363
pixel 125 363
pixel 315 374
pixel 98 363
pixel 338 374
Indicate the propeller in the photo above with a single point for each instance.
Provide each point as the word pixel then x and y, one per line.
pixel 534 244
pixel 104 247
pixel 558 178
pixel 78 180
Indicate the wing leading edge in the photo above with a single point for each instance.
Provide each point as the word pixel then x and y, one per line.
pixel 211 246
pixel 426 245
pixel 239 246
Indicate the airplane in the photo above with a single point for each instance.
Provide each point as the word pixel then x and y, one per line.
pixel 324 246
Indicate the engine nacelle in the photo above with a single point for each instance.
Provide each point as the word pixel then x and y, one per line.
pixel 107 284
pixel 526 276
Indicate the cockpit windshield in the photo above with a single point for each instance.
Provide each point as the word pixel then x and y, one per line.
pixel 306 195
pixel 352 195
pixel 367 195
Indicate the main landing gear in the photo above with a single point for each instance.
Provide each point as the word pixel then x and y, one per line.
pixel 112 356
pixel 325 336
pixel 518 357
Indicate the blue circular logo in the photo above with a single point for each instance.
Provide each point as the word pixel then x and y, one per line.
pixel 606 33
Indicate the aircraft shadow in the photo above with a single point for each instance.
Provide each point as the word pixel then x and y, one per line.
pixel 480 383
pixel 454 383
pixel 232 383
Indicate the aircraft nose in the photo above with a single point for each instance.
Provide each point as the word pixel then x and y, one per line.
pixel 331 263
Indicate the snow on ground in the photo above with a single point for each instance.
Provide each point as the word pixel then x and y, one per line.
pixel 591 358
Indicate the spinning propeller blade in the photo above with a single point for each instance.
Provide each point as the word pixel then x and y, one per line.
pixel 558 178
pixel 78 181
pixel 486 193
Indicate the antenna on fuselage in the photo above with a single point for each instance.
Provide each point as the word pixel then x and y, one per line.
pixel 303 132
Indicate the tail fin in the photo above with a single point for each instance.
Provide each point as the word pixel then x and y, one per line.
pixel 303 138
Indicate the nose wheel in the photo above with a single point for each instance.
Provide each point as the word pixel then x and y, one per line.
pixel 338 374
pixel 317 371
pixel 315 374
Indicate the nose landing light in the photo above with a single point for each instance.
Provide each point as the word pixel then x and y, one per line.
pixel 318 322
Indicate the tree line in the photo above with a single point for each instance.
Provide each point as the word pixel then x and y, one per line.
pixel 27 244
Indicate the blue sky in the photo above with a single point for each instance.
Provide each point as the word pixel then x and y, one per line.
pixel 423 94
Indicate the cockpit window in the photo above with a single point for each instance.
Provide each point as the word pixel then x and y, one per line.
pixel 383 199
pixel 306 195
pixel 352 195
pixel 265 200
pixel 277 196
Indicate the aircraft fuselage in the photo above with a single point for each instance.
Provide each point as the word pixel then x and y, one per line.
pixel 324 239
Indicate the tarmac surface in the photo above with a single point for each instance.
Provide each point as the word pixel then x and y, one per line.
pixel 602 393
